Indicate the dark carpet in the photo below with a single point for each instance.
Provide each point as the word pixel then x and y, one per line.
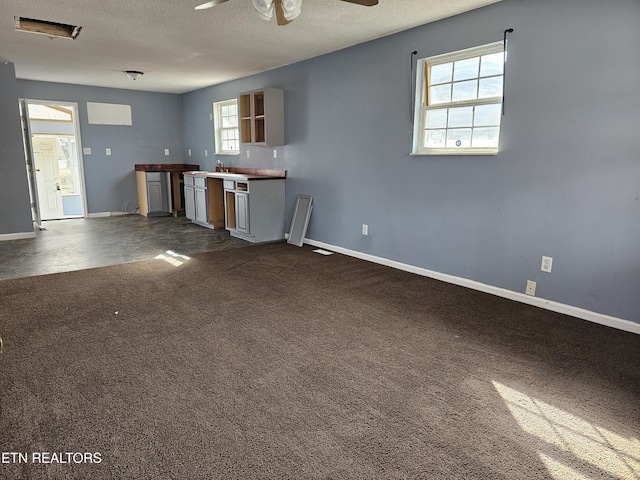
pixel 275 362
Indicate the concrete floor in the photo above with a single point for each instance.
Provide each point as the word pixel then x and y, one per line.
pixel 79 243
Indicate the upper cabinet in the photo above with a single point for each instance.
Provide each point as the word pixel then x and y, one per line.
pixel 262 117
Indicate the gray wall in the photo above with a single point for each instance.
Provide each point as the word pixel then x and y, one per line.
pixel 110 180
pixel 15 212
pixel 565 184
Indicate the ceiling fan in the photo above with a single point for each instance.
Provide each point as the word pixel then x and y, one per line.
pixel 285 10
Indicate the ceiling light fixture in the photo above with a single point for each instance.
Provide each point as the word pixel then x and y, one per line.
pixel 291 8
pixel 285 10
pixel 133 74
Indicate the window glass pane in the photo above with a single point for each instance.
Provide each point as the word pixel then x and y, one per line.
pixel 435 138
pixel 491 64
pixel 225 122
pixel 437 118
pixel 441 73
pixel 233 121
pixel 440 94
pixel 487 115
pixel 490 87
pixel 485 137
pixel 460 117
pixel 465 91
pixel 464 69
pixel 459 138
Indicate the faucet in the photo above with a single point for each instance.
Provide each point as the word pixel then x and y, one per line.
pixel 221 165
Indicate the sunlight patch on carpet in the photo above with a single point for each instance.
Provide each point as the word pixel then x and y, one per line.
pixel 589 443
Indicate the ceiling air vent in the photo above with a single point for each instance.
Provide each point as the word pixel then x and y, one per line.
pixel 50 29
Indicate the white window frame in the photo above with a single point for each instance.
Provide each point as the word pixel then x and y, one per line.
pixel 422 101
pixel 219 129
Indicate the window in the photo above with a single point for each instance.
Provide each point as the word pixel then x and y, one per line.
pixel 459 102
pixel 225 123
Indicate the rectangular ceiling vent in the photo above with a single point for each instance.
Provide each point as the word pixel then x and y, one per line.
pixel 50 29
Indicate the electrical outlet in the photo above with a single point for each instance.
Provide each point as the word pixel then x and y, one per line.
pixel 546 264
pixel 531 288
pixel 86 150
pixel 211 117
pixel 166 151
pixel 189 152
pixel 206 153
pixel 108 151
pixel 248 153
pixel 365 229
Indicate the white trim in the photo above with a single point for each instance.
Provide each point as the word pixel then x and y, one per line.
pixel 76 128
pixel 421 106
pixel 17 236
pixel 487 49
pixel 217 128
pixel 108 214
pixel 602 319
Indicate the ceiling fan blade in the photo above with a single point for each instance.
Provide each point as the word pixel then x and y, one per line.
pixel 280 18
pixel 364 3
pixel 210 4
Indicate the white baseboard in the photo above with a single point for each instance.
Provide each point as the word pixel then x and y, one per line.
pixel 106 214
pixel 17 236
pixel 581 313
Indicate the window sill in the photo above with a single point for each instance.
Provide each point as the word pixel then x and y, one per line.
pixel 228 153
pixel 448 152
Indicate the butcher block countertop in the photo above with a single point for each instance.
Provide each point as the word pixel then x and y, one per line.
pixel 240 174
pixel 165 167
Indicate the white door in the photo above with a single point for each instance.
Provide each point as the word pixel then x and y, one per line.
pixel 45 159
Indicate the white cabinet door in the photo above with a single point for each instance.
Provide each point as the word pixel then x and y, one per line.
pixel 190 202
pixel 242 212
pixel 201 205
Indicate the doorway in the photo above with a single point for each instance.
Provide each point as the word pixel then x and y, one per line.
pixel 54 162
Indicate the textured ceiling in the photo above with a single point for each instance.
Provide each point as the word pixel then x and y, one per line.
pixel 181 49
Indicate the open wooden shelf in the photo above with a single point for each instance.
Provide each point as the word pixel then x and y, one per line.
pixel 262 117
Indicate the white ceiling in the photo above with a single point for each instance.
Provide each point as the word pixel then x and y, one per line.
pixel 181 49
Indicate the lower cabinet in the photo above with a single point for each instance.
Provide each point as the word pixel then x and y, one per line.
pixel 154 195
pixel 255 210
pixel 203 203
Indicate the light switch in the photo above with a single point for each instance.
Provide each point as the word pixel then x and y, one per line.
pixel 166 151
pixel 108 151
pixel 86 150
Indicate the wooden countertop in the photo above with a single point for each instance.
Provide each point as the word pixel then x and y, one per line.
pixel 241 174
pixel 165 167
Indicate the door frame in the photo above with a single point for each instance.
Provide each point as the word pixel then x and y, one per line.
pixel 28 148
